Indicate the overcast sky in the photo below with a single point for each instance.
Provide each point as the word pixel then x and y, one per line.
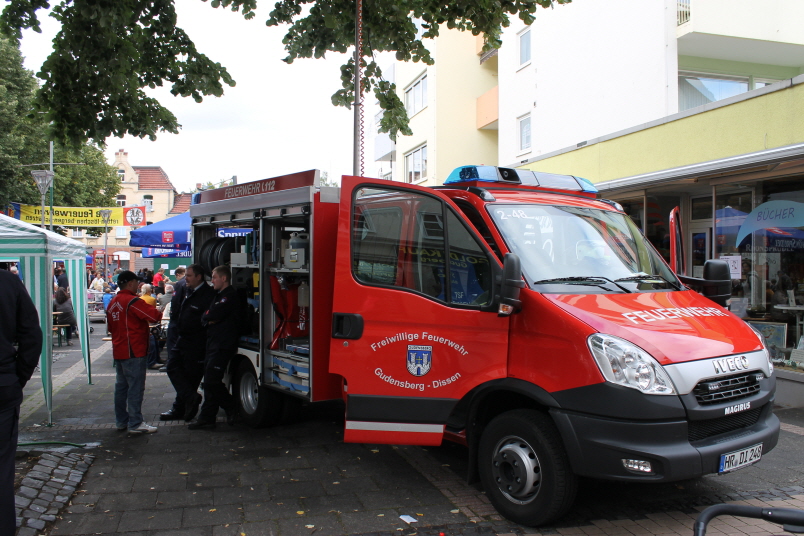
pixel 278 119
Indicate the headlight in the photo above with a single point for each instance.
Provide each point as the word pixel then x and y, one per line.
pixel 764 348
pixel 628 365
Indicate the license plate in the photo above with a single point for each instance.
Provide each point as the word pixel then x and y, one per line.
pixel 740 458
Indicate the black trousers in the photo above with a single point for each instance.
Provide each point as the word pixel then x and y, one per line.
pixel 10 400
pixel 185 368
pixel 216 395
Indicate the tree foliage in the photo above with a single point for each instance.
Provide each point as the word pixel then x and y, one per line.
pixel 108 51
pixel 24 140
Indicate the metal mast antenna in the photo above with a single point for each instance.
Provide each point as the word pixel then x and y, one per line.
pixel 357 165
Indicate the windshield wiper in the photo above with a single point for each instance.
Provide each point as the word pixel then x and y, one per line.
pixel 594 281
pixel 646 278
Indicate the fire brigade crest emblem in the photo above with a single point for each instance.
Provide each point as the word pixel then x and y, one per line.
pixel 419 359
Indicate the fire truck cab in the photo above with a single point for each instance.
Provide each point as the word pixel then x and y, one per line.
pixel 511 311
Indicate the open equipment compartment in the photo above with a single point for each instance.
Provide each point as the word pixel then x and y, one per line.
pixel 272 271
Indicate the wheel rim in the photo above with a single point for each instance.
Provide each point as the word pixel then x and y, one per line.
pixel 249 393
pixel 516 469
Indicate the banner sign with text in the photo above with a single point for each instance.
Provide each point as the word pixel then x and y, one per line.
pixel 79 216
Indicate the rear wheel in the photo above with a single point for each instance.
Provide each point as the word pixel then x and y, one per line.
pixel 258 405
pixel 524 468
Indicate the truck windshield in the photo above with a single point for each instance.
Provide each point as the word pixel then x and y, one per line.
pixel 601 250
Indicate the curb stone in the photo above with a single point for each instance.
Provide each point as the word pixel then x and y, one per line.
pixel 47 487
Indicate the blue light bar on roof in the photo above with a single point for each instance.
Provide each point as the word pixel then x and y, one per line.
pixel 519 176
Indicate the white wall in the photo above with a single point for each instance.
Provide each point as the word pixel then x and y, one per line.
pixel 597 67
pixel 768 20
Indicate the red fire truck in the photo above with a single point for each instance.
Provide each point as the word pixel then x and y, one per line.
pixel 511 311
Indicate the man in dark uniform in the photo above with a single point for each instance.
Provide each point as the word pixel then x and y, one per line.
pixel 185 366
pixel 222 320
pixel 19 323
pixel 179 289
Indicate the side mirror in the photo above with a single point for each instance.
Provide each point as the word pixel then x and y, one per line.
pixel 510 285
pixel 717 281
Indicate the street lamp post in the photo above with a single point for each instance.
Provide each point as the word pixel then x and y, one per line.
pixel 43 180
pixel 105 214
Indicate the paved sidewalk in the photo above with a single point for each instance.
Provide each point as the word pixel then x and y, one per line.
pixel 301 479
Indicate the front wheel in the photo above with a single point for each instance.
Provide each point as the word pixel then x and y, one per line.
pixel 258 405
pixel 524 468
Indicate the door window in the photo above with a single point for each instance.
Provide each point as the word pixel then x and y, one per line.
pixel 400 239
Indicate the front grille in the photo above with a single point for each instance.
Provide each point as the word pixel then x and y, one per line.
pixel 726 389
pixel 698 430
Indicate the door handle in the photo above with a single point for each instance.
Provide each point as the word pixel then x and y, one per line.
pixel 347 326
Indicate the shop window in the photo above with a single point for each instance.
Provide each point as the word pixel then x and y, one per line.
pixel 759 232
pixel 701 208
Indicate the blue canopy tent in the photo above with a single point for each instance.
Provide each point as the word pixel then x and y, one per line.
pixel 171 237
pixel 172 233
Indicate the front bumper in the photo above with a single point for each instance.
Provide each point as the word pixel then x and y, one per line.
pixel 597 445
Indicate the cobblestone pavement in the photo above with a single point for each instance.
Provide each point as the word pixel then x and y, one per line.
pixel 301 479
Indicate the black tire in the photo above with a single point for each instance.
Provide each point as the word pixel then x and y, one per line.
pixel 524 468
pixel 258 406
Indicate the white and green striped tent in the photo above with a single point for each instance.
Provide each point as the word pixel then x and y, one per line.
pixel 36 249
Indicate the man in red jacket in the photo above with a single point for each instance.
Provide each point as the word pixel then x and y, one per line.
pixel 128 318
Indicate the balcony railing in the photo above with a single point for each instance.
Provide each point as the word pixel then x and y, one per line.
pixel 683 11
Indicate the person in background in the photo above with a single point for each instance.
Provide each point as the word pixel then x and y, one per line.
pixel 61 279
pixel 175 308
pixel 159 289
pixel 90 276
pixel 222 320
pixel 14 270
pixel 98 282
pixel 20 347
pixel 160 274
pixel 64 304
pixel 107 296
pixel 128 318
pixel 185 366
pixel 147 294
pixel 163 299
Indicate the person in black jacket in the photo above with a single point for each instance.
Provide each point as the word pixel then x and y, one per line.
pixel 185 366
pixel 222 321
pixel 19 323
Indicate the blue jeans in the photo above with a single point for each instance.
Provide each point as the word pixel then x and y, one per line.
pixel 128 392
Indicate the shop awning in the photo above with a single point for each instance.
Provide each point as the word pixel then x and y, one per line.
pixel 732 164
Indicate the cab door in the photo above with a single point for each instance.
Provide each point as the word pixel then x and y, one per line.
pixel 414 325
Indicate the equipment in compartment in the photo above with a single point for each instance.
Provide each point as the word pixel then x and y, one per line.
pixel 218 251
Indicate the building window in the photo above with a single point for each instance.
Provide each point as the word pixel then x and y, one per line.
pixel 78 233
pixel 148 201
pixel 121 200
pixel 524 47
pixel 524 133
pixel 416 96
pixel 122 174
pixel 697 89
pixel 416 165
pixel 120 232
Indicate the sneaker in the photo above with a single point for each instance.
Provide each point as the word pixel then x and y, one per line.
pixel 122 427
pixel 142 429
